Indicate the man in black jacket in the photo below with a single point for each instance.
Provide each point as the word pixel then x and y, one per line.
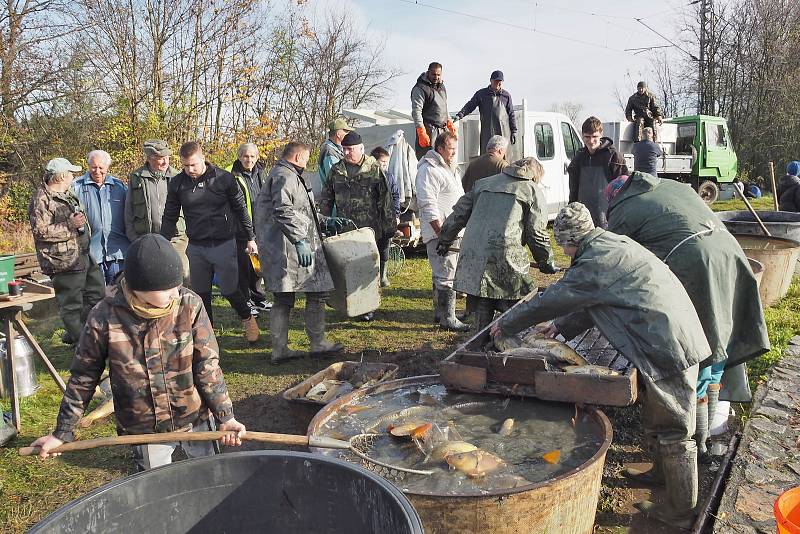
pixel 789 188
pixel 250 174
pixel 591 170
pixel 496 109
pixel 213 207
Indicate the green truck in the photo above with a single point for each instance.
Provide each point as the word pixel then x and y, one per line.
pixel 697 150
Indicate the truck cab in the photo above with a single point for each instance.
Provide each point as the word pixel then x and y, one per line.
pixel 697 149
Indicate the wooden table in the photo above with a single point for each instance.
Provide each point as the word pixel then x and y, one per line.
pixel 11 309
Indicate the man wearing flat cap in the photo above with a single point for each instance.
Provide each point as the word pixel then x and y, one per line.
pixel 358 189
pixel 147 195
pixel 331 150
pixel 636 302
pixel 62 237
pixel 496 109
pixel 502 215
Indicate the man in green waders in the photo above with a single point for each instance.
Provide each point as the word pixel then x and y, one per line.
pixel 670 220
pixel 637 303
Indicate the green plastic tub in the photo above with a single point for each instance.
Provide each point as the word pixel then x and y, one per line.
pixel 6 271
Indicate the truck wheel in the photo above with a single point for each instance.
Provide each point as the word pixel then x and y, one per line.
pixel 708 191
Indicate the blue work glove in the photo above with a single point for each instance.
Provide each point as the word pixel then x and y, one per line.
pixel 304 255
pixel 513 138
pixel 336 224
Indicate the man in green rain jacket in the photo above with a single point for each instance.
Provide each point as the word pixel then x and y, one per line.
pixel 672 222
pixel 637 303
pixel 502 214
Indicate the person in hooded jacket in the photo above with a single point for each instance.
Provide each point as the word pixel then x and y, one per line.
pixel 429 109
pixel 496 110
pixel 789 188
pixel 592 168
pixel 502 215
pixel 670 220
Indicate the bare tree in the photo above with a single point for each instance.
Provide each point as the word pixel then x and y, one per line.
pixel 573 110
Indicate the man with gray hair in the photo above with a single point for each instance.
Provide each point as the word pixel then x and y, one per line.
pixel 489 164
pixel 103 199
pixel 147 196
pixel 646 153
pixel 495 272
pixel 61 236
pixel 250 174
pixel 637 303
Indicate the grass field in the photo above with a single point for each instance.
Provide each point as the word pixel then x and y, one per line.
pixel 401 333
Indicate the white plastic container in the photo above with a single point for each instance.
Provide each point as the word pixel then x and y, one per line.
pixel 719 423
pixel 354 264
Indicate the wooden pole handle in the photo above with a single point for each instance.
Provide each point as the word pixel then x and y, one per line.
pixel 752 211
pixel 168 437
pixel 774 185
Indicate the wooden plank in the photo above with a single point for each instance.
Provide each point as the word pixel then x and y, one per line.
pixel 38 350
pixel 502 368
pixel 462 377
pixel 587 389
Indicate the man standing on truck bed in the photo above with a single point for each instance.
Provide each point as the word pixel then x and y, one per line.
pixel 643 109
pixel 496 109
pixel 637 304
pixel 429 109
pixel 592 168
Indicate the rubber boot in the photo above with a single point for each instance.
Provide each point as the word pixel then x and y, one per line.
pixel 251 332
pixel 384 277
pixel 680 476
pixel 435 297
pixel 651 477
pixel 279 333
pixel 447 312
pixel 484 313
pixel 315 327
pixel 701 426
pixel 713 400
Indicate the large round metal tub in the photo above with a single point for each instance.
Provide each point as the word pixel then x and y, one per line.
pixel 565 504
pixel 262 491
pixel 779 223
pixel 778 256
pixel 758 270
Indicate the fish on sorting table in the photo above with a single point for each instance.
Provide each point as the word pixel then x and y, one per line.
pixel 506 428
pixel 558 356
pixel 443 450
pixel 474 463
pixel 104 410
pixel 598 370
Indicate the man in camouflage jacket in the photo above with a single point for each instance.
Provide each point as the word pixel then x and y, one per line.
pixel 643 109
pixel 163 359
pixel 61 236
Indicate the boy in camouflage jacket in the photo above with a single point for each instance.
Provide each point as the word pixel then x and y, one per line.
pixel 162 356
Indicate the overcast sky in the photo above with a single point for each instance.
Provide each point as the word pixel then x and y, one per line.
pixel 553 51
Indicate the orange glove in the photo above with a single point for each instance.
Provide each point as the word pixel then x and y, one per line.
pixel 451 127
pixel 423 138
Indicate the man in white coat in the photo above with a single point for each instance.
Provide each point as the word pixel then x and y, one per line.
pixel 438 190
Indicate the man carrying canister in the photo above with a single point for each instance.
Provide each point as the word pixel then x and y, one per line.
pixel 359 190
pixel 502 214
pixel 147 196
pixel 290 230
pixel 429 109
pixel 637 303
pixel 214 209
pixel 496 110
pixel 103 198
pixel 157 341
pixel 61 236
pixel 670 220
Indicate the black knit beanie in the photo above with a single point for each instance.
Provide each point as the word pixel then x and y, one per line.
pixel 152 264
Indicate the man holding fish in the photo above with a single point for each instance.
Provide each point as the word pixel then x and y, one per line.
pixel 637 303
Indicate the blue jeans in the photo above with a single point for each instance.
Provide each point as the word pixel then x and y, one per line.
pixel 111 269
pixel 709 375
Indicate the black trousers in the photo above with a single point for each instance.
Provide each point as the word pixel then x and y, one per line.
pixel 248 280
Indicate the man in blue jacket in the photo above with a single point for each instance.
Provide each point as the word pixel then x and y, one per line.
pixel 496 109
pixel 103 199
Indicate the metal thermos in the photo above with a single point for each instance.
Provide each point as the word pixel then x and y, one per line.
pixel 25 368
